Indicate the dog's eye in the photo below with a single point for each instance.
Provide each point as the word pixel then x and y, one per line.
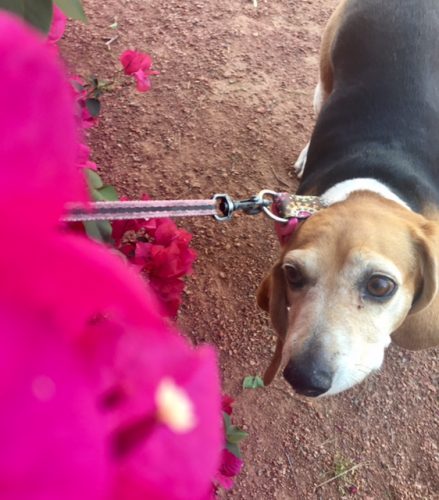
pixel 380 286
pixel 294 276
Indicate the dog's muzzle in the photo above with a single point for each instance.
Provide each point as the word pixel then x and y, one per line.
pixel 309 374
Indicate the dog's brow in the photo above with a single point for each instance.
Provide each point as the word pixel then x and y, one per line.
pixel 371 262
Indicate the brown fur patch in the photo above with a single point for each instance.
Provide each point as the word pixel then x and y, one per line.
pixel 326 66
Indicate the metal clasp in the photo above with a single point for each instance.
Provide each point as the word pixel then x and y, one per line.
pixel 280 207
pixel 226 206
pixel 269 197
pixel 261 202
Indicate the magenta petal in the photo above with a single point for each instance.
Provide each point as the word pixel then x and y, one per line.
pixel 143 82
pixel 53 438
pixel 58 26
pixel 37 137
pixel 191 458
pixel 230 467
pixel 225 482
pixel 70 276
pixel 168 291
pixel 226 404
pixel 166 232
pixel 133 61
pixel 150 226
pixel 83 158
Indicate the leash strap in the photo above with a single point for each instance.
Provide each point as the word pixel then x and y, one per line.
pixel 148 209
pixel 280 207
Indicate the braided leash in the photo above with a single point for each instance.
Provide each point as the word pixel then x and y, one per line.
pixel 285 209
pixel 139 209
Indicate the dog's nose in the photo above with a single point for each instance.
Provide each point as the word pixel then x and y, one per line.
pixel 307 379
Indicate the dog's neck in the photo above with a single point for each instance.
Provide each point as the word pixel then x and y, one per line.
pixel 342 190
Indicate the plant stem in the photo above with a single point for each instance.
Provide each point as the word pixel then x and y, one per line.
pixel 339 475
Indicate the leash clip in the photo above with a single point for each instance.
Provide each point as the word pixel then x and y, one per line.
pixel 271 198
pixel 280 207
pixel 226 206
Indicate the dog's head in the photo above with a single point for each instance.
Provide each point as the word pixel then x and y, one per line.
pixel 345 281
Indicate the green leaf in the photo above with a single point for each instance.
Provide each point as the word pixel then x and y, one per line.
pixel 234 449
pixel 93 106
pixel 97 87
pixel 99 230
pixel 13 6
pixel 93 179
pixel 227 421
pixel 94 82
pixel 109 193
pixel 235 435
pixel 96 195
pixel 253 382
pixel 36 12
pixel 72 8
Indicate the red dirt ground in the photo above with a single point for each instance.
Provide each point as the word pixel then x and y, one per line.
pixel 229 112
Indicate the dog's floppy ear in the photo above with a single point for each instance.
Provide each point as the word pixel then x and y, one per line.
pixel 420 331
pixel 272 297
pixel 427 249
pixel 274 365
pixel 263 294
pixel 278 307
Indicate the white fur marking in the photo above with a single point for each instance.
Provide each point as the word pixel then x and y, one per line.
pixel 342 190
pixel 319 98
pixel 299 166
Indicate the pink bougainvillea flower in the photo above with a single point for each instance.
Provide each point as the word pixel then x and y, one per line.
pixel 83 158
pixel 168 288
pixel 85 119
pixel 53 437
pixel 170 256
pixel 226 404
pixel 71 282
pixel 138 65
pixel 99 398
pixel 161 252
pixel 122 227
pixel 58 25
pixel 160 456
pixel 143 82
pixel 169 293
pixel 133 61
pixel 230 467
pixel 32 128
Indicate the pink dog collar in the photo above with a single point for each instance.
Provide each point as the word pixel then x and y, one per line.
pixel 284 230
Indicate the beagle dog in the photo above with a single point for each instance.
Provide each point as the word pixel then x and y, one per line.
pixel 364 271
